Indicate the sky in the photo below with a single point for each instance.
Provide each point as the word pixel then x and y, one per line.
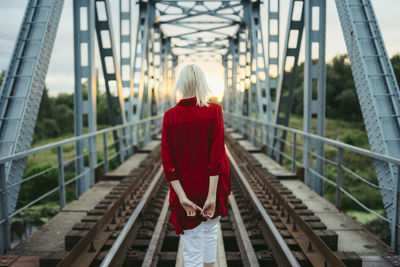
pixel 60 76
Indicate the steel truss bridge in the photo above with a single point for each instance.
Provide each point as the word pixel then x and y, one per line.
pixel 258 93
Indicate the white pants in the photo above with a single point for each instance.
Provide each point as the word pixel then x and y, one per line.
pixel 200 243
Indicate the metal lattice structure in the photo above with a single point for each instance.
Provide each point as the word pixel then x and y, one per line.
pixel 231 33
pixel 21 93
pixel 378 93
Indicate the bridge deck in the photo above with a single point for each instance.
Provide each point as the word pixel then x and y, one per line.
pixel 49 239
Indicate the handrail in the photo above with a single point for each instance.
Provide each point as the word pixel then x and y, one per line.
pixel 331 142
pixel 341 168
pixel 73 139
pixel 59 145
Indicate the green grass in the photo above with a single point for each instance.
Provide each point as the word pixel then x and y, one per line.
pixel 363 217
pixel 68 149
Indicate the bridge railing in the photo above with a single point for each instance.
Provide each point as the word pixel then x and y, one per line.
pixel 252 128
pixel 6 216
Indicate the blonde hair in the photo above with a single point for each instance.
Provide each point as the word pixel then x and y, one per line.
pixel 192 83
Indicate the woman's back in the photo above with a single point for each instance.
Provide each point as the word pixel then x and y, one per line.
pixel 191 138
pixel 193 149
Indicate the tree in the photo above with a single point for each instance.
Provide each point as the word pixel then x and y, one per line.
pixel 396 66
pixel 2 74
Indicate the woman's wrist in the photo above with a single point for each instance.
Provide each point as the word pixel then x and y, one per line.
pixel 212 190
pixel 212 196
pixel 182 198
pixel 179 190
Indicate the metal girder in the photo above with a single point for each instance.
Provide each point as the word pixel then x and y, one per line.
pixel 155 64
pixel 125 56
pixel 287 79
pixel 111 72
pixel 204 30
pixel 20 97
pixel 84 74
pixel 191 12
pixel 186 16
pixel 233 76
pixel 141 66
pixel 165 50
pixel 258 68
pixel 225 102
pixel 242 74
pixel 378 94
pixel 314 90
pixel 273 56
pixel 231 72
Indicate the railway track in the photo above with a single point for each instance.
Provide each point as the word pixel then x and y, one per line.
pixel 265 224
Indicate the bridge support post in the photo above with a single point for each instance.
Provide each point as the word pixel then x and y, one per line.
pixel 84 71
pixel 61 178
pixel 294 151
pixel 394 242
pixel 105 148
pixel 287 77
pixel 5 222
pixel 314 89
pixel 272 69
pixel 339 179
pixel 125 46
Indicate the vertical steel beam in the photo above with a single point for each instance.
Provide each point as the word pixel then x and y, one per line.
pixel 314 88
pixel 111 71
pixel 258 67
pixel 239 61
pixel 125 54
pixel 85 78
pixel 61 177
pixel 140 65
pixel 165 49
pixel 288 74
pixel 227 89
pixel 155 77
pixel 5 224
pixel 273 11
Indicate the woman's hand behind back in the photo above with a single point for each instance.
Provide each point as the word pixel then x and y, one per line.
pixel 190 207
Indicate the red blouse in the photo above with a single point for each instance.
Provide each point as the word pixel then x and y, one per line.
pixel 192 150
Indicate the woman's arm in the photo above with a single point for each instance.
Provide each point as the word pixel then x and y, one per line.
pixel 210 204
pixel 212 190
pixel 176 184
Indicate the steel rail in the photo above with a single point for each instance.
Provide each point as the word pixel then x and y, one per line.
pixel 280 249
pixel 81 251
pixel 120 245
pixel 248 250
pixel 155 238
pixel 318 253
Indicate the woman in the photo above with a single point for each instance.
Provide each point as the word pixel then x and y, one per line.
pixel 195 163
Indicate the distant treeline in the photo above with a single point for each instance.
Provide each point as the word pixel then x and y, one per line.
pixel 56 114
